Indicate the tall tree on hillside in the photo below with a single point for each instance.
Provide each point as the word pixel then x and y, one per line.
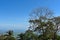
pixel 40 22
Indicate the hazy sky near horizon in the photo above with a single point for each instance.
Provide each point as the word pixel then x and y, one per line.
pixel 14 14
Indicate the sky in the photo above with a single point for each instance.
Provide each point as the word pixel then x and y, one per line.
pixel 14 14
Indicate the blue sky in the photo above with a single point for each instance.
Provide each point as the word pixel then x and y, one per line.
pixel 14 14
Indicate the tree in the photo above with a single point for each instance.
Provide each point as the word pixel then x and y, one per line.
pixel 56 21
pixel 30 35
pixel 21 36
pixel 10 32
pixel 40 22
pixel 9 35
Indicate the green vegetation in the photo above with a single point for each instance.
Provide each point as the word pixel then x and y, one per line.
pixel 7 36
pixel 43 26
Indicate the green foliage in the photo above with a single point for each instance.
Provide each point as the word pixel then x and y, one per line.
pixel 10 32
pixel 21 36
pixel 28 35
pixel 42 24
pixel 8 36
pixel 58 37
